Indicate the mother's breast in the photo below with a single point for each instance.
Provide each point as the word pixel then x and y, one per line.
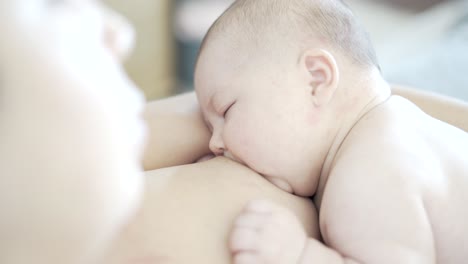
pixel 188 211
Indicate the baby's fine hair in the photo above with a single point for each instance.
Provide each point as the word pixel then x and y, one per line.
pixel 294 23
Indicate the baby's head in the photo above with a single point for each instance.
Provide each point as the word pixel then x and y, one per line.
pixel 272 79
pixel 70 131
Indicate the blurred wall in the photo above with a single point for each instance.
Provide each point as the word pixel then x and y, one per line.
pixel 411 45
pixel 192 19
pixel 151 65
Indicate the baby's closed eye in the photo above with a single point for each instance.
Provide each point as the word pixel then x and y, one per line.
pixel 226 111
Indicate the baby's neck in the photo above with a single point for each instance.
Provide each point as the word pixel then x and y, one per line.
pixel 371 93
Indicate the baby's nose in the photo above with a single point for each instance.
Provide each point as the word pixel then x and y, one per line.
pixel 216 145
pixel 119 34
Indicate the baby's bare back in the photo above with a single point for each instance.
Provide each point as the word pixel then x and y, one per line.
pixel 398 189
pixel 445 191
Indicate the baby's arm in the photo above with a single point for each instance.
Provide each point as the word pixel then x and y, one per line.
pixel 177 133
pixel 374 212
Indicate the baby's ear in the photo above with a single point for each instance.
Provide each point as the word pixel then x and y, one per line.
pixel 322 75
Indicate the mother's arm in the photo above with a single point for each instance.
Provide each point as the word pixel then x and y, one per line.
pixel 187 213
pixel 179 136
pixel 447 109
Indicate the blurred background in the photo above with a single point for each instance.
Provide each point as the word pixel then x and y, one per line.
pixel 420 43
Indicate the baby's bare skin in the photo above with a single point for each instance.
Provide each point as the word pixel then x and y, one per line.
pixel 407 173
pixel 396 193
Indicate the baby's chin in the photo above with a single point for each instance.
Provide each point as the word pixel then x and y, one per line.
pixel 280 183
pixel 228 155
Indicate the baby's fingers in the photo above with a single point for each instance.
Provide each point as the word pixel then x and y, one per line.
pixel 243 239
pixel 245 258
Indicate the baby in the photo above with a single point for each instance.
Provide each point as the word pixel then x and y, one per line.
pixel 292 89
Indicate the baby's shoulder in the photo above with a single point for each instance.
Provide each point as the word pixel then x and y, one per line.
pixel 382 169
pixel 384 145
pixel 389 128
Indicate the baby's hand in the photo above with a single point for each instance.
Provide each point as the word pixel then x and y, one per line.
pixel 267 233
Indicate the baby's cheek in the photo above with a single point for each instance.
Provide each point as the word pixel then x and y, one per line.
pixel 239 140
pixel 313 117
pixel 343 109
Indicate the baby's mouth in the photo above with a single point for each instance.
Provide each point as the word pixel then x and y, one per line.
pixel 280 183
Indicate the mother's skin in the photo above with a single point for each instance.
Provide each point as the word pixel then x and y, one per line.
pixel 188 210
